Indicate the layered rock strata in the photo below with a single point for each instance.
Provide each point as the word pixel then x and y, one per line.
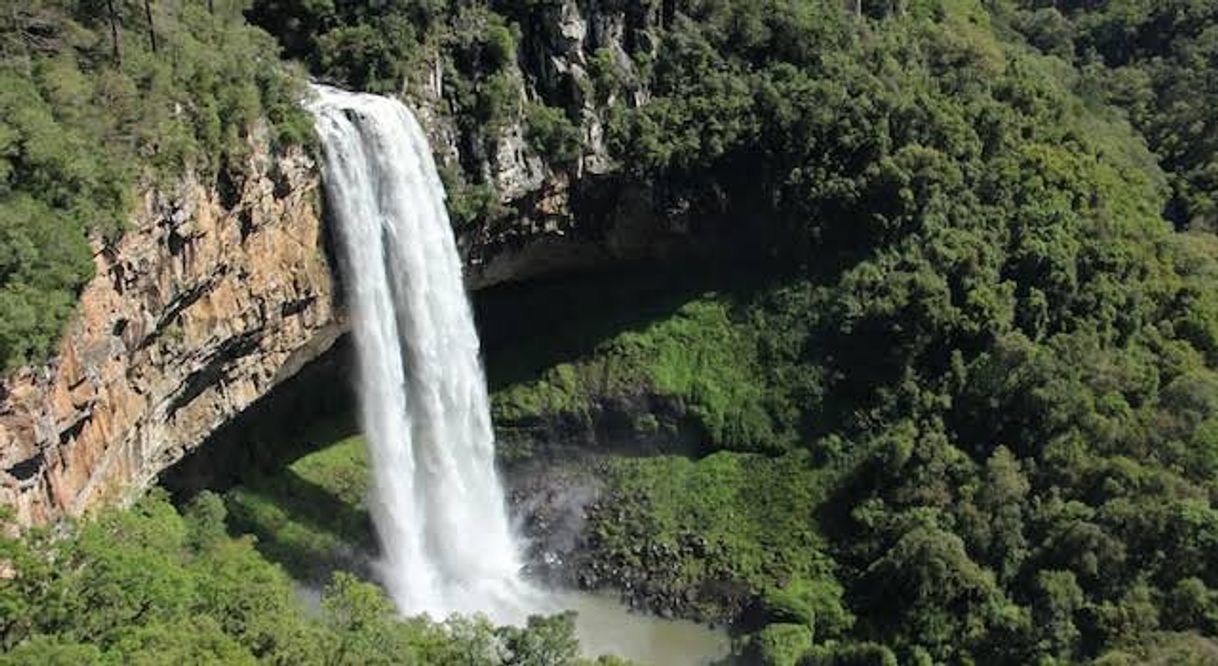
pixel 216 293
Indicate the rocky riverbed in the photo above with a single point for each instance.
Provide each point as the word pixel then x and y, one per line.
pixel 575 522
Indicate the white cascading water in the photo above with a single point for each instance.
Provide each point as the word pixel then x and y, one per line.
pixel 437 501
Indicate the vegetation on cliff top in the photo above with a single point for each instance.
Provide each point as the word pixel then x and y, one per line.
pixel 84 117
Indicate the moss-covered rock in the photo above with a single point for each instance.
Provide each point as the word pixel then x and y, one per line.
pixel 782 644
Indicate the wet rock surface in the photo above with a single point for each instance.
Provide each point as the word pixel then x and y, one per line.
pixel 574 522
pixel 637 423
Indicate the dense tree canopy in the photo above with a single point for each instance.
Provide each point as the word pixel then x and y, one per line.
pixel 967 412
pixel 1156 60
pixel 150 586
pixel 987 323
pixel 87 108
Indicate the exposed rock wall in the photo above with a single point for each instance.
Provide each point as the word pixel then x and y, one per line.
pixel 559 217
pixel 216 293
pixel 220 291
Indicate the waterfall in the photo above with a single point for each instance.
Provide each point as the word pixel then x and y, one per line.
pixel 436 501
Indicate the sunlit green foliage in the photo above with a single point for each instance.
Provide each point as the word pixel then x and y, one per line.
pixel 1155 60
pixel 983 364
pixel 725 519
pixel 310 517
pixel 149 586
pixel 782 644
pixel 703 354
pixel 976 315
pixel 80 123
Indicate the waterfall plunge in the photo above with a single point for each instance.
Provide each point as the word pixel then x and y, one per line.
pixel 437 502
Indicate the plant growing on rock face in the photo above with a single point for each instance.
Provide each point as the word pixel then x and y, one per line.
pixel 553 135
pixel 497 102
pixel 606 75
pixel 470 204
pixel 79 126
pixel 482 85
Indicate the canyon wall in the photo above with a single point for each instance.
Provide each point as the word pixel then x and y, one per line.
pixel 219 291
pixel 558 216
pixel 216 293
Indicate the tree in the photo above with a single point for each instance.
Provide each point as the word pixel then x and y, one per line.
pixel 205 521
pixel 128 573
pixel 189 640
pixel 1058 600
pixel 927 590
pixel 118 56
pixel 543 641
pixel 49 651
pixel 364 623
pixel 151 27
pixel 783 644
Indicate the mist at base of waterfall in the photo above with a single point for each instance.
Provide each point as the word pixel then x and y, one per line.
pixel 436 500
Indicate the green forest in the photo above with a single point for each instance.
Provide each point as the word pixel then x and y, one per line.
pixel 89 107
pixel 151 586
pixel 963 411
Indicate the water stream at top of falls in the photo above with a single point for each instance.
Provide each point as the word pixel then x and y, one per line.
pixel 437 502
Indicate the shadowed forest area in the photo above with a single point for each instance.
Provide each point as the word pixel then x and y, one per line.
pixel 964 410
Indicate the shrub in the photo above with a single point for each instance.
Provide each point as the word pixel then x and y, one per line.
pixel 553 134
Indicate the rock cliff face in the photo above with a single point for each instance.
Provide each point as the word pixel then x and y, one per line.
pixel 220 291
pixel 557 217
pixel 216 293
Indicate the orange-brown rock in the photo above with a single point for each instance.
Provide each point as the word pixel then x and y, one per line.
pixel 215 293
